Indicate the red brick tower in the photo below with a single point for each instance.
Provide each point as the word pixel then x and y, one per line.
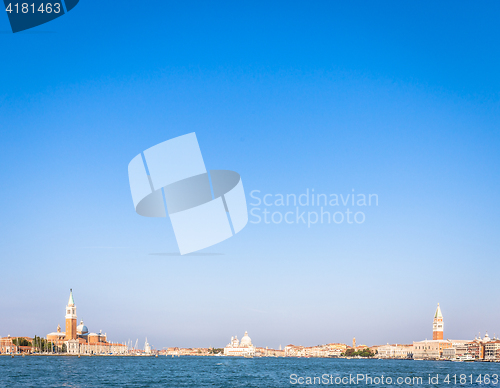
pixel 437 327
pixel 71 318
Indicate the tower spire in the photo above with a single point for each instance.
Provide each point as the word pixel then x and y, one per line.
pixel 438 312
pixel 71 301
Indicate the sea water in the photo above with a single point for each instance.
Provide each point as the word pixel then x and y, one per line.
pixel 60 371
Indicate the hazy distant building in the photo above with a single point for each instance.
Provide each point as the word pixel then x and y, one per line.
pixel 492 350
pixel 430 349
pixel 336 349
pixel 395 351
pixel 484 348
pixel 147 347
pixel 240 348
pixel 458 351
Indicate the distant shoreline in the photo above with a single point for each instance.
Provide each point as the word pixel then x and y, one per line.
pixel 17 355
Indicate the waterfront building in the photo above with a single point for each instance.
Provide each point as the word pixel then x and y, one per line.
pixel 78 340
pixel 9 345
pixel 240 348
pixel 395 351
pixel 430 349
pixel 492 350
pixel 480 348
pixel 336 349
pixel 328 350
pixel 437 326
pixel 294 351
pixel 267 352
pixel 457 351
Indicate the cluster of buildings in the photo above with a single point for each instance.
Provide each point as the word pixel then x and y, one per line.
pixel 481 349
pixel 75 340
pixel 236 347
pixel 13 345
pixel 328 350
pixel 484 349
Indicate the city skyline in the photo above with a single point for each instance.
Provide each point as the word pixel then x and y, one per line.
pixel 75 333
pixel 396 99
pixel 78 340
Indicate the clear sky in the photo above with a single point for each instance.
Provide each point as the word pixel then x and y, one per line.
pixel 400 99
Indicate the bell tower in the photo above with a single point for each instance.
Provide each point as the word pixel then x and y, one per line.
pixel 71 318
pixel 437 327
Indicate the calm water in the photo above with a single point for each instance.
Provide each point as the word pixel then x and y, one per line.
pixel 227 372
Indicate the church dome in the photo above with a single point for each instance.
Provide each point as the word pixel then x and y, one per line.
pixel 246 341
pixel 82 329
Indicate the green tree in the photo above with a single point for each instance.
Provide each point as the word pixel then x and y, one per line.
pixel 41 344
pixel 21 342
pixel 361 353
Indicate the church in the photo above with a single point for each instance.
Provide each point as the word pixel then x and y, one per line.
pixel 240 348
pixel 78 340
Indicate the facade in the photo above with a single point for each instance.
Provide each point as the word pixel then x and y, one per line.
pixel 7 345
pixel 336 349
pixel 395 351
pixel 457 351
pixel 483 348
pixel 492 350
pixel 240 348
pixel 78 340
pixel 437 327
pixel 430 349
pixel 266 352
pixel 328 350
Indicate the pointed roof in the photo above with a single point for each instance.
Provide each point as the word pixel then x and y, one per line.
pixel 71 301
pixel 438 312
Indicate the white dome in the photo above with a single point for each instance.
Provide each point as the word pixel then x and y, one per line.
pixel 82 329
pixel 246 341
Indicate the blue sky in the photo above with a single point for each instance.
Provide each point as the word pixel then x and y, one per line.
pixel 397 99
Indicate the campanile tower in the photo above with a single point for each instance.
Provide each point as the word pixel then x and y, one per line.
pixel 437 327
pixel 71 318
